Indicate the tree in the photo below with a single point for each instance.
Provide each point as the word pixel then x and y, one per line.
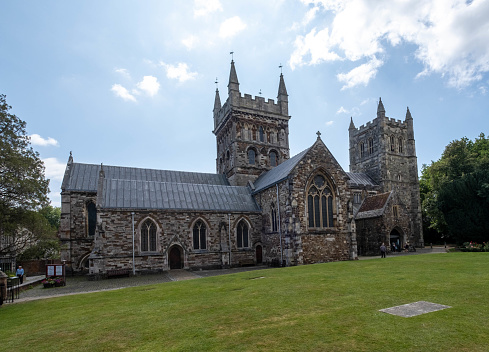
pixel 453 190
pixel 23 186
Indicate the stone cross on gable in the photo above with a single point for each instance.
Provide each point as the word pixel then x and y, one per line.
pixel 319 134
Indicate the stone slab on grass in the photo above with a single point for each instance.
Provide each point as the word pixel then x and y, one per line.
pixel 413 309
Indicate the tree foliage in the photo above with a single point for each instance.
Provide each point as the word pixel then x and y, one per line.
pixel 23 186
pixel 455 191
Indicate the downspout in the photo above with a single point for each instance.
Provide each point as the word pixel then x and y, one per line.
pixel 133 264
pixel 279 229
pixel 229 235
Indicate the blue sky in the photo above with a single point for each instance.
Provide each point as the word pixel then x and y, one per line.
pixel 131 83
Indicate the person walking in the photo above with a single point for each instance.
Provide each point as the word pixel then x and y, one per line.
pixel 382 250
pixel 20 274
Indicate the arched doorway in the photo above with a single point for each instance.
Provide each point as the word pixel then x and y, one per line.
pixel 175 258
pixel 395 240
pixel 259 254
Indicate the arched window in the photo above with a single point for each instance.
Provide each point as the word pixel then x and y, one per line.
pixel 273 158
pixel 400 145
pixel 148 236
pixel 273 216
pixel 320 203
pixel 242 235
pixel 362 149
pixel 91 219
pixel 227 155
pixel 251 156
pixel 253 133
pixel 260 132
pixel 370 146
pixel 199 235
pixel 393 146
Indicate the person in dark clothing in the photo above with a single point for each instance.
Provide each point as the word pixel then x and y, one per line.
pixel 382 250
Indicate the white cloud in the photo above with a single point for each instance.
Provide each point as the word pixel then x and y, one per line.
pixel 189 42
pixel 360 75
pixel 180 72
pixel 451 36
pixel 230 27
pixel 342 110
pixel 351 112
pixel 150 85
pixel 122 92
pixel 38 140
pixel 124 72
pixel 329 123
pixel 55 170
pixel 205 7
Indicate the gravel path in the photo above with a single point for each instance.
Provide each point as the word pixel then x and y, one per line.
pixel 80 284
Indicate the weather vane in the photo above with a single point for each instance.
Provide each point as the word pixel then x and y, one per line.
pixel 232 55
pixel 280 66
pixel 216 82
pixel 259 92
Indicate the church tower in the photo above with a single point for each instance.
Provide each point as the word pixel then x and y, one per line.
pixel 252 135
pixel 385 150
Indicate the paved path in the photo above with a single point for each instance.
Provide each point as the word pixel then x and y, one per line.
pixel 80 284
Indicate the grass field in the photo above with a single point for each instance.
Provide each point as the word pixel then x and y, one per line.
pixel 323 307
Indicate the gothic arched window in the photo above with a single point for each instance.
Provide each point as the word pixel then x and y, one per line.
pixel 393 146
pixel 273 216
pixel 273 158
pixel 91 219
pixel 148 236
pixel 362 149
pixel 320 203
pixel 260 132
pixel 242 235
pixel 199 235
pixel 251 156
pixel 400 145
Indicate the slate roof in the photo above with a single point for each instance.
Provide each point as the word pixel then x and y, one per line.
pixel 360 179
pixel 278 173
pixel 131 194
pixel 136 188
pixel 84 177
pixel 373 206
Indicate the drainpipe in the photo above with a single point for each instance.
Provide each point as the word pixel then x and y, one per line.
pixel 229 235
pixel 279 229
pixel 133 264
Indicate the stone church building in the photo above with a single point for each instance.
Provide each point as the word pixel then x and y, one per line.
pixel 261 206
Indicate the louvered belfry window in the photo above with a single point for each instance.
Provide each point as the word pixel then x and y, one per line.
pixel 320 204
pixel 148 236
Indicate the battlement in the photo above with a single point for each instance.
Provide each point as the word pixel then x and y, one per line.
pixel 253 104
pixel 391 122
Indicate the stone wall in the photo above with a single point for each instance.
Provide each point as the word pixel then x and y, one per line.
pixel 113 243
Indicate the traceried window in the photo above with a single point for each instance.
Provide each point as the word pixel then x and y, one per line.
pixel 273 216
pixel 261 134
pixel 199 235
pixel 395 211
pixel 357 198
pixel 91 219
pixel 393 146
pixel 320 203
pixel 148 236
pixel 242 235
pixel 273 158
pixel 251 156
pixel 362 149
pixel 370 146
pixel 400 145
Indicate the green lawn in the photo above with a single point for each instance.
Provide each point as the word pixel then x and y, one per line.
pixel 323 307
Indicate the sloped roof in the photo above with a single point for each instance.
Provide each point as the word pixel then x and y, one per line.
pixel 84 177
pixel 139 194
pixel 360 179
pixel 373 206
pixel 278 173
